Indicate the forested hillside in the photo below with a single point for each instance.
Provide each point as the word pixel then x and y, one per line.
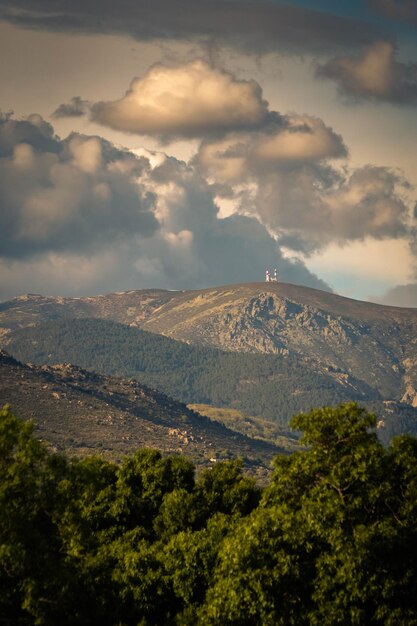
pixel 365 349
pixel 265 385
pixel 331 540
pixel 259 384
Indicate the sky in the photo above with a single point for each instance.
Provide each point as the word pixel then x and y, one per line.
pixel 183 144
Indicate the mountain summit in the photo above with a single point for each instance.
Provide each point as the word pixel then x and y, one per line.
pixel 344 338
pixel 267 350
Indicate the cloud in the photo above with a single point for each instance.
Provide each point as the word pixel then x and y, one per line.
pixel 87 217
pixel 33 131
pixel 188 100
pixel 368 203
pixel 302 139
pixel 314 206
pixel 259 27
pixel 77 194
pixel 194 248
pixel 405 10
pixel 373 75
pixel 286 177
pixel 288 142
pixel 76 107
pixel 401 295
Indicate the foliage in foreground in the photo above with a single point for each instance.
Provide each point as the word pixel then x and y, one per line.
pixel 332 540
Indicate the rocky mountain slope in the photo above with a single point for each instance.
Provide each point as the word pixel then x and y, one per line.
pixel 265 385
pixel 127 307
pixel 85 413
pixel 345 338
pixel 373 343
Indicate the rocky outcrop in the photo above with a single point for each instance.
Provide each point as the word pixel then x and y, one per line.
pixel 367 342
pixel 83 413
pixel 349 338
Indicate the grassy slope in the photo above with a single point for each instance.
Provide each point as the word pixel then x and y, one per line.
pixel 255 427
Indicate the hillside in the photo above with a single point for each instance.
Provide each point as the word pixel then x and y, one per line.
pixel 85 413
pixel 284 348
pixel 126 307
pixel 264 385
pixel 372 343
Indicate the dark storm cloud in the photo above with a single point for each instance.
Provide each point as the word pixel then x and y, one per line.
pixel 404 10
pixel 251 26
pixel 76 107
pixel 239 246
pixel 373 75
pixel 76 194
pixel 195 247
pixel 401 295
pixel 33 131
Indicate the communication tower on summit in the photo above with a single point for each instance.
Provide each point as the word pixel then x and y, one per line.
pixel 269 278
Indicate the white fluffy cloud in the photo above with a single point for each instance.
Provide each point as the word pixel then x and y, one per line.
pixel 187 100
pixel 303 138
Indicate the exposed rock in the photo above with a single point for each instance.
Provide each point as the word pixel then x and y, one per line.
pixel 358 343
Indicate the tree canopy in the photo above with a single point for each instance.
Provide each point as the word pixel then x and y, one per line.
pixel 331 540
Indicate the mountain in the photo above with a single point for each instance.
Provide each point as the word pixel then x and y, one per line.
pixel 373 343
pixel 325 346
pixel 127 307
pixel 84 413
pixel 267 385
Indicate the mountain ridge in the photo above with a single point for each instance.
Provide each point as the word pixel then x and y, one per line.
pixel 336 337
pixel 148 300
pixel 83 412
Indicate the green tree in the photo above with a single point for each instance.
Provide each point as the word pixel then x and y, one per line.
pixel 334 538
pixel 331 541
pixel 225 489
pixel 37 584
